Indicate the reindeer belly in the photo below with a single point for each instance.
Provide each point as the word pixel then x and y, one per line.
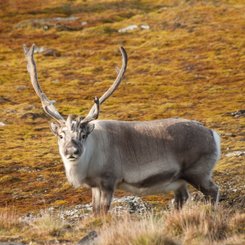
pixel 155 182
pixel 152 190
pixel 153 177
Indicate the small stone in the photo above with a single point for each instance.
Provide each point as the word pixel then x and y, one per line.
pixel 11 243
pixel 235 154
pixel 128 28
pixel 10 111
pixel 131 204
pixel 230 135
pixel 56 81
pixel 32 115
pixel 84 23
pixel 45 27
pixel 51 52
pixel 66 19
pixel 47 23
pixel 2 124
pixel 39 49
pixel 236 114
pixel 4 100
pixel 145 27
pixel 47 52
pixel 29 107
pixel 90 237
pixel 21 88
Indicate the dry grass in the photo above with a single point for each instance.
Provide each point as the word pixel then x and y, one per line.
pixel 237 223
pixel 191 63
pixel 194 224
pixel 134 231
pixel 201 222
pixel 11 226
pixel 9 218
pixel 48 224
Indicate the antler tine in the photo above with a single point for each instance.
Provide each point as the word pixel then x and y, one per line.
pixel 93 112
pixel 47 104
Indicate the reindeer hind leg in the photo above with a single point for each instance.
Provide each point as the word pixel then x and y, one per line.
pixel 180 196
pixel 200 177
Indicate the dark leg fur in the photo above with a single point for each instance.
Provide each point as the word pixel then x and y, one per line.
pixel 206 186
pixel 180 196
pixel 102 197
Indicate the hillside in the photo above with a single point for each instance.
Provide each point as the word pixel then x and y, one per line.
pixel 186 59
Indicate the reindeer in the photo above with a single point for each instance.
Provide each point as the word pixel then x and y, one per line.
pixel 148 157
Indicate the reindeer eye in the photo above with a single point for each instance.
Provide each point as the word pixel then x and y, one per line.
pixel 83 136
pixel 61 136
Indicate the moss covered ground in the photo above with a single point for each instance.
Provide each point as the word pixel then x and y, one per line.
pixel 190 63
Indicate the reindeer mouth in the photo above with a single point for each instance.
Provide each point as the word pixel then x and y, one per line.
pixel 72 158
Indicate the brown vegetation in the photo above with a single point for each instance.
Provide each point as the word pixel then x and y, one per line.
pixel 191 63
pixel 195 224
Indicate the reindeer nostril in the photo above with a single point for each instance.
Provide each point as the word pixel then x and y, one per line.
pixel 72 152
pixel 76 151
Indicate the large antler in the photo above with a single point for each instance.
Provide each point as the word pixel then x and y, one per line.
pixel 94 111
pixel 48 105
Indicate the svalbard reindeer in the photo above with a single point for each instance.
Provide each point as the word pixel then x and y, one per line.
pixel 144 158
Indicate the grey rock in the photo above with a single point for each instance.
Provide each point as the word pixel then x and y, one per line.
pixel 59 23
pixel 120 206
pixel 84 23
pixel 130 204
pixel 51 52
pixel 39 49
pixel 128 28
pixel 47 51
pixel 131 28
pixel 21 87
pixel 32 115
pixel 235 154
pixel 10 111
pixel 46 23
pixel 56 81
pixel 229 134
pixel 11 243
pixel 29 107
pixel 89 239
pixel 4 100
pixel 65 19
pixel 145 27
pixel 238 113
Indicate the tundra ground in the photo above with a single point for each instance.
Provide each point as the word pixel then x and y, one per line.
pixel 186 59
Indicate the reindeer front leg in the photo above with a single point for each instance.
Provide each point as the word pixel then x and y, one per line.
pixel 105 200
pixel 102 196
pixel 101 200
pixel 107 187
pixel 96 194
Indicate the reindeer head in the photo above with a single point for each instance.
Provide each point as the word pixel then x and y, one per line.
pixel 72 136
pixel 73 132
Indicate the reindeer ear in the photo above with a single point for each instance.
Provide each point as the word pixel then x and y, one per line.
pixel 54 128
pixel 89 128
